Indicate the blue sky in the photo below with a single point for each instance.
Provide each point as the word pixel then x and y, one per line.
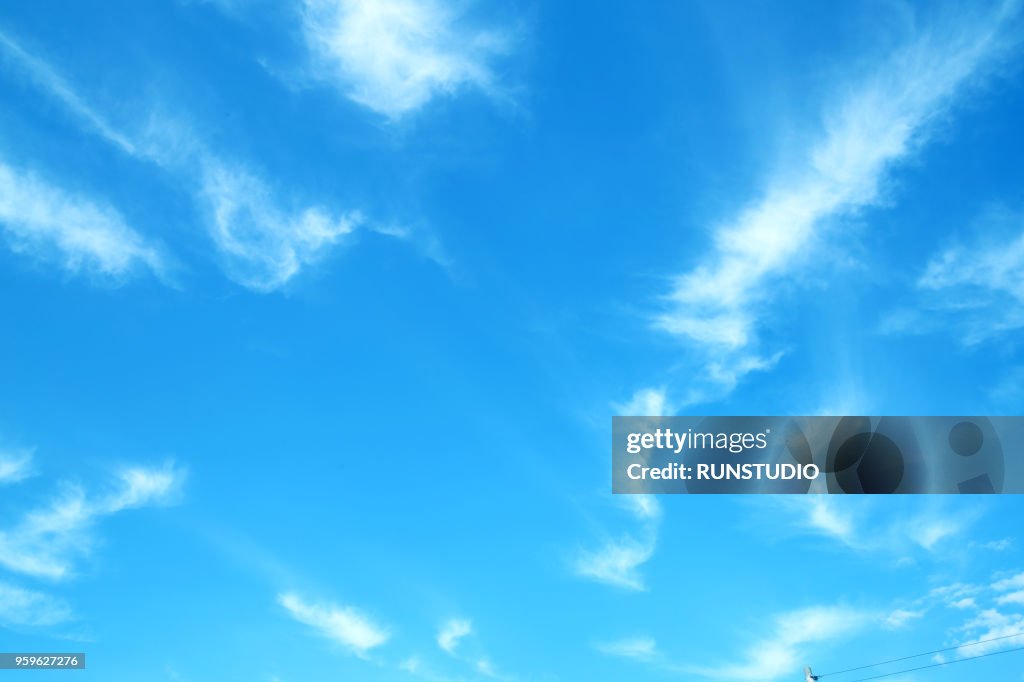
pixel 315 314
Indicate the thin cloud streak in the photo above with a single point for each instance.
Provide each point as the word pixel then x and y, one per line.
pixel 868 129
pixel 616 562
pixel 452 632
pixel 20 607
pixel 636 648
pixel 49 223
pixel 341 624
pixel 15 466
pixel 263 240
pixel 785 648
pixel 975 290
pixel 48 79
pixel 48 541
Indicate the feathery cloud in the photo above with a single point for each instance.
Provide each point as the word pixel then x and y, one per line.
pixel 975 289
pixel 50 81
pixel 637 648
pixel 900 618
pixel 15 466
pixel 341 624
pixel 784 649
pixel 47 541
pixel 647 402
pixel 29 608
pixel 453 631
pixel 991 624
pixel 869 127
pixel 264 246
pixel 45 221
pixel 616 562
pixel 263 238
pixel 862 525
pixel 394 56
pixel 1014 582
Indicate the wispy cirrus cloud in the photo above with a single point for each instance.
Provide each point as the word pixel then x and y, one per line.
pixel 791 638
pixel 48 541
pixel 264 245
pixel 343 625
pixel 636 648
pixel 22 607
pixel 974 289
pixel 863 526
pixel 15 466
pixel 41 219
pixel 773 655
pixel 616 562
pixel 1003 626
pixel 901 618
pixel 786 640
pixel 263 236
pixel 869 127
pixel 784 649
pixel 647 402
pixel 452 632
pixel 83 235
pixel 994 620
pixel 46 78
pixel 394 56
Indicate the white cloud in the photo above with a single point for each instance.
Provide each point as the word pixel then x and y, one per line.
pixel 141 486
pixel 647 402
pixel 50 81
pixel 263 237
pixel 394 56
pixel 929 533
pixel 486 668
pixel 47 541
pixel 900 618
pixel 453 631
pixel 785 649
pixel 869 127
pixel 411 665
pixel 999 267
pixel 637 648
pixel 643 507
pixel 263 244
pixel 824 516
pixel 862 525
pixel 992 624
pixel 1000 545
pixel 1011 598
pixel 616 563
pixel 976 289
pixel 1014 582
pixel 15 466
pixel 50 223
pixel 22 607
pixel 956 595
pixel 343 625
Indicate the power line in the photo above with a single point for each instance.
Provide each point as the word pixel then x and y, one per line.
pixel 938 665
pixel 927 653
